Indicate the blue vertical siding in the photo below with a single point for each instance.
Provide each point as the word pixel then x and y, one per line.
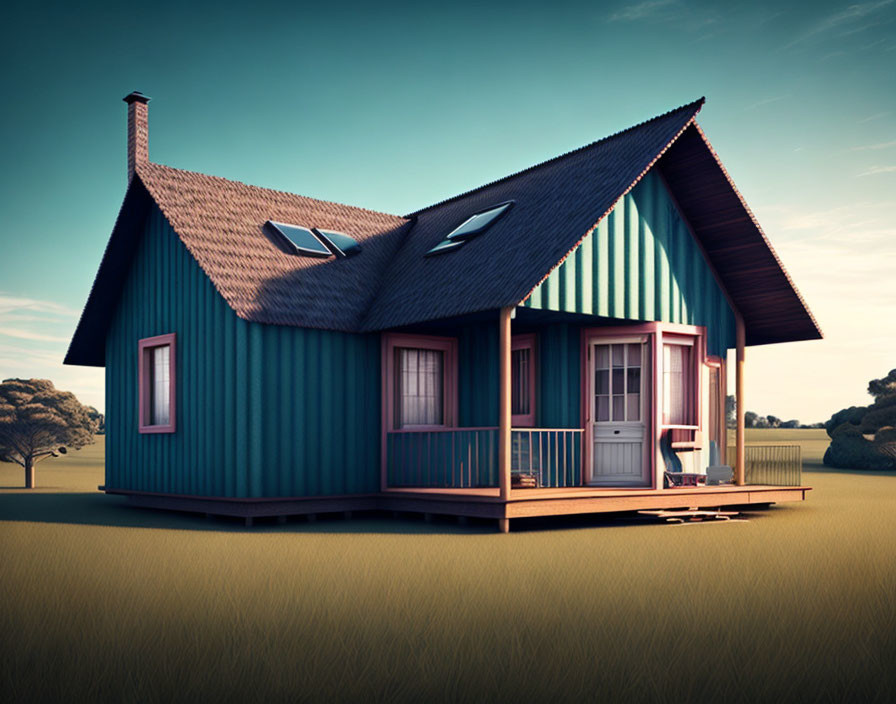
pixel 558 377
pixel 261 410
pixel 641 263
pixel 477 375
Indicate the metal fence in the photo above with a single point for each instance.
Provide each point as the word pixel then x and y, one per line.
pixel 772 465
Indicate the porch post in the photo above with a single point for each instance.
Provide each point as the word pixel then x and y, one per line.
pixel 504 417
pixel 740 464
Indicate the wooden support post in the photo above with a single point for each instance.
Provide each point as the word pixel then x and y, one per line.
pixel 740 462
pixel 504 525
pixel 504 417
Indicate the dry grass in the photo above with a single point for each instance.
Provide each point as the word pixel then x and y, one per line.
pixel 100 602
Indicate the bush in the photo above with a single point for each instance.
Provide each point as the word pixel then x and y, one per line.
pixel 853 415
pixel 850 449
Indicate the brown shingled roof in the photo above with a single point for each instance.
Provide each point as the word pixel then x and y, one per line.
pixel 221 223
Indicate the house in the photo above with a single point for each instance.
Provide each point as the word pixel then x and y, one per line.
pixel 554 342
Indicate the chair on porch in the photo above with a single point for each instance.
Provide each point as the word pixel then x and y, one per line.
pixel 717 473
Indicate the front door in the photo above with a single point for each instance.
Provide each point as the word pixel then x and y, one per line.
pixel 617 428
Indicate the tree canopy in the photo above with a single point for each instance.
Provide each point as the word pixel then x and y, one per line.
pixel 864 437
pixel 38 421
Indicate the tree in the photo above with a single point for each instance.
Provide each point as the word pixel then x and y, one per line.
pixel 98 419
pixel 886 386
pixel 862 437
pixel 39 421
pixel 790 424
pixel 730 409
pixel 750 419
pixel 774 422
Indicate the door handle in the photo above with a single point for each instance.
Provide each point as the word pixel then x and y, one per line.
pixel 615 432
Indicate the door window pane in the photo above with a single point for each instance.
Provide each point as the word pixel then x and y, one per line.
pixel 618 355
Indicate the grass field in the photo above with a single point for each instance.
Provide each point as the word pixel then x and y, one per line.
pixel 101 602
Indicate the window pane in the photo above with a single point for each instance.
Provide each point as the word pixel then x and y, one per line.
pixel 602 357
pixel 634 355
pixel 634 381
pixel 634 407
pixel 603 408
pixel 618 355
pixel 420 390
pixel 619 408
pixel 159 389
pixel 519 386
pixel 676 385
pixel 618 381
pixel 602 381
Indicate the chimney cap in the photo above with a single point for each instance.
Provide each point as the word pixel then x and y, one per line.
pixel 136 97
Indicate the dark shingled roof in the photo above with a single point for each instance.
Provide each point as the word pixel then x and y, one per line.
pixel 556 204
pixel 391 284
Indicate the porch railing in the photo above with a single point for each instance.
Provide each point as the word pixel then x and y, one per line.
pixel 451 458
pixel 461 458
pixel 773 465
pixel 552 456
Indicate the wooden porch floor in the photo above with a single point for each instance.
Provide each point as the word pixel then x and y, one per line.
pixel 486 502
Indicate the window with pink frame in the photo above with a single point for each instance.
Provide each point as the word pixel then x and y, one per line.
pixel 419 381
pixel 522 381
pixel 156 381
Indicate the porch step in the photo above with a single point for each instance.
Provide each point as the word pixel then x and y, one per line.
pixel 691 514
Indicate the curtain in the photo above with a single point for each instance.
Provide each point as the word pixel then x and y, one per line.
pixel 420 387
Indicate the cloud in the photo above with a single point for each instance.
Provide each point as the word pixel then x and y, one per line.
pixel 28 335
pixel 766 101
pixel 875 116
pixel 650 9
pixel 9 304
pixel 878 170
pixel 881 145
pixel 840 20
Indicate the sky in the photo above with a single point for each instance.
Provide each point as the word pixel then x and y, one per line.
pixel 393 107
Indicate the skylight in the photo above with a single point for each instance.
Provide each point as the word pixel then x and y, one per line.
pixel 340 243
pixel 479 222
pixel 445 246
pixel 300 239
pixel 469 228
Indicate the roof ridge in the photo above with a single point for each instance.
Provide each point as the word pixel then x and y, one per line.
pixel 696 103
pixel 275 191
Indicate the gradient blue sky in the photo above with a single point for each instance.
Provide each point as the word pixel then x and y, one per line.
pixel 392 107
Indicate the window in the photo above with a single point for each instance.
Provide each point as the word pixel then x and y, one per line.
pixel 522 380
pixel 419 381
pixel 298 240
pixel 617 382
pixel 474 225
pixel 679 382
pixel 421 392
pixel 716 409
pixel 341 244
pixel 156 379
pixel 478 223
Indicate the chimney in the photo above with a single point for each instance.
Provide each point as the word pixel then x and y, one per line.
pixel 138 131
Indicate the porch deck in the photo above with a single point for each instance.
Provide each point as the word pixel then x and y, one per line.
pixel 486 502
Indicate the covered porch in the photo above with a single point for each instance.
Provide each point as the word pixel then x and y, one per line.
pixel 512 470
